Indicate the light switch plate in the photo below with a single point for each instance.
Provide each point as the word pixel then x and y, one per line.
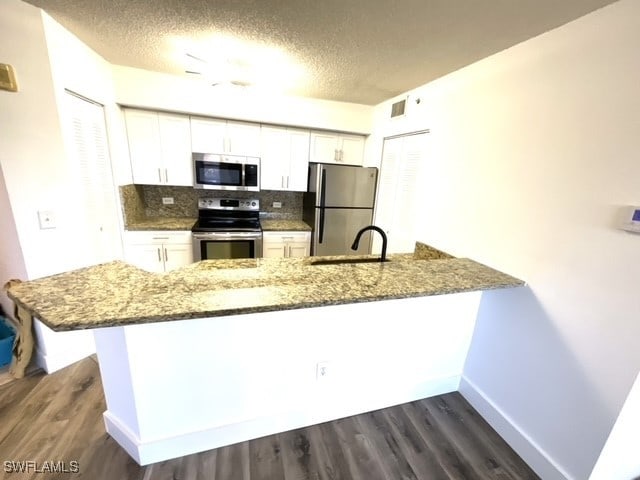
pixel 167 200
pixel 47 219
pixel 277 204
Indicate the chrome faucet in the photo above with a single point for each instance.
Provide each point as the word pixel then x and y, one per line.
pixel 383 258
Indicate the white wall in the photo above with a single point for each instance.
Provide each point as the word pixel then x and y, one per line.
pixel 31 148
pixel 38 173
pixel 11 259
pixel 78 69
pixel 532 153
pixel 619 459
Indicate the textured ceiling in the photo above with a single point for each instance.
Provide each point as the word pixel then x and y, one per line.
pixel 361 51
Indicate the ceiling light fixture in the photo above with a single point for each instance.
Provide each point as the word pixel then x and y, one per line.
pixel 229 61
pixel 222 74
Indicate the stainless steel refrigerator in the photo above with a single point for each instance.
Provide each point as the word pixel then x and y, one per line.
pixel 338 203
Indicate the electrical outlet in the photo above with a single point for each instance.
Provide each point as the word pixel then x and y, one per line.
pixel 47 219
pixel 167 200
pixel 323 370
pixel 277 204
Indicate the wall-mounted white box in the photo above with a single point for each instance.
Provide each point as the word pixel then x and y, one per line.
pixel 631 219
pixel 46 219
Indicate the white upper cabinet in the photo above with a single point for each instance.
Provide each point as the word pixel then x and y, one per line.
pixel 284 159
pixel 243 138
pixel 329 147
pixel 208 135
pixel 225 136
pixel 143 135
pixel 175 141
pixel 159 147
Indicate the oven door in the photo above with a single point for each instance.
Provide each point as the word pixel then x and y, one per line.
pixel 226 245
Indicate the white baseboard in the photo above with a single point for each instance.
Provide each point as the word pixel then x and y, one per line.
pixel 529 450
pixel 160 449
pixel 53 363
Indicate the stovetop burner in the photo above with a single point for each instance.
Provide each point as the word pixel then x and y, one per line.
pixel 228 215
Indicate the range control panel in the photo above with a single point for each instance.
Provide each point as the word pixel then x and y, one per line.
pixel 249 204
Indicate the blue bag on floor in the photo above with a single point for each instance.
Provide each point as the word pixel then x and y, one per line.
pixel 7 338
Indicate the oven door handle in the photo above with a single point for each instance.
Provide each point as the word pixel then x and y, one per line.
pixel 227 235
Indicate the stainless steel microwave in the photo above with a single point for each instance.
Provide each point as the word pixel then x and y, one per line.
pixel 226 172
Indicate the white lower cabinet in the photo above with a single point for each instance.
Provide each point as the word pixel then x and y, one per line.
pixel 158 251
pixel 285 244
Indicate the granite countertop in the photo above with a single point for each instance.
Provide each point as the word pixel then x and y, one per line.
pixel 117 293
pixel 162 223
pixel 283 225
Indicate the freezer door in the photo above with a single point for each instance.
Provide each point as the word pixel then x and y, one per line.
pixel 343 186
pixel 339 231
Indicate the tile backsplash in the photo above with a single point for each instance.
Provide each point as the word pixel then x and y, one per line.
pixel 145 201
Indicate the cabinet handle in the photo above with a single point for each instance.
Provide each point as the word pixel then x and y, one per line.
pixel 284 251
pixel 289 251
pixel 166 255
pixel 282 181
pixel 160 238
pixel 335 154
pixel 287 181
pixel 166 175
pixel 342 155
pixel 159 257
pixel 159 175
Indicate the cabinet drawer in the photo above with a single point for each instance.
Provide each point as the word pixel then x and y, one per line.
pixel 157 237
pixel 286 237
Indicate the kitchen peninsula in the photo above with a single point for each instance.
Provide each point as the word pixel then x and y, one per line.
pixel 218 352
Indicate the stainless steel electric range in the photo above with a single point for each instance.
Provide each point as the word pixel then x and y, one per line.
pixel 227 228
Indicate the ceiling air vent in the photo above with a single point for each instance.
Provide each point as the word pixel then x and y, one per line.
pixel 397 109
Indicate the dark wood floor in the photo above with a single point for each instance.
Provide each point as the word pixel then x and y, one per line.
pixel 58 417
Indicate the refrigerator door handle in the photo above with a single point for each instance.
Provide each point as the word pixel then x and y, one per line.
pixel 323 188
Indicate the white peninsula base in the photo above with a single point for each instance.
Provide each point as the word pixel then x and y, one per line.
pixel 179 387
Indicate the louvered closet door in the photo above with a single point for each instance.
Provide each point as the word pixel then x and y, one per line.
pixel 397 212
pixel 89 152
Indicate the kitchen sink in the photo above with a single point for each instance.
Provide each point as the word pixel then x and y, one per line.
pixel 340 261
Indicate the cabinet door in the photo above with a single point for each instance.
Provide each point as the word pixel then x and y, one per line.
pixel 273 250
pixel 147 257
pixel 299 160
pixel 208 136
pixel 273 245
pixel 176 256
pixel 324 147
pixel 143 135
pixel 274 158
pixel 298 249
pixel 175 138
pixel 351 150
pixel 243 139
